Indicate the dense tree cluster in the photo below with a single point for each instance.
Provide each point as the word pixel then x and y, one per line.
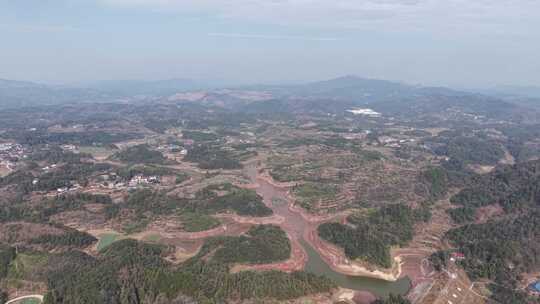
pixel 513 187
pixel 521 141
pixel 260 245
pixel 3 296
pixel 243 201
pixel 439 259
pixel 140 154
pixel 468 149
pixel 310 193
pixel 55 154
pixel 505 247
pixel 86 138
pixel 501 251
pixel 146 203
pixel 462 215
pixel 434 183
pixel 68 174
pixel 70 238
pixel 209 156
pixel 48 207
pixel 392 299
pixel 499 246
pixel 7 255
pixel 132 272
pixel 370 236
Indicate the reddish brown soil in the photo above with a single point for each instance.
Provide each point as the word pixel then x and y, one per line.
pixel 412 259
pixel 170 227
pixel 427 239
pixel 270 220
pixel 363 297
pixel 80 218
pixel 299 224
pixel 296 222
pixel 21 231
pixel 483 214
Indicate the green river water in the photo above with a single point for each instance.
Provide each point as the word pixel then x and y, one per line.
pixel 380 288
pixel 296 225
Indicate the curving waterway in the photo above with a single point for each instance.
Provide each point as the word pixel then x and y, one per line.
pixel 378 287
pixel 295 225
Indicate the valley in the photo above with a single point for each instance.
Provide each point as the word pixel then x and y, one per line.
pixel 285 194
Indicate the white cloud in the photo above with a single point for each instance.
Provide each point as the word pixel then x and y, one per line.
pixel 272 37
pixel 392 15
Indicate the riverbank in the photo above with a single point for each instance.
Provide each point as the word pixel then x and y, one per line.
pixel 332 255
pixel 301 228
pixel 308 251
pixel 335 258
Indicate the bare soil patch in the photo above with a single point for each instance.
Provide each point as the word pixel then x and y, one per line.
pixel 20 232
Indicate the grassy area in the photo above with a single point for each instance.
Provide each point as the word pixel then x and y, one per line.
pixel 152 238
pixel 107 239
pixel 315 191
pixel 30 301
pixel 285 168
pixel 287 173
pixel 26 267
pixel 25 264
pixel 310 193
pixel 136 226
pixel 181 177
pixel 97 152
pixel 194 222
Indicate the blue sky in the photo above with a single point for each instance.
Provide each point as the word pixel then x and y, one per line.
pixel 450 42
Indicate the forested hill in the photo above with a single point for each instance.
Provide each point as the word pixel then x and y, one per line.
pixel 329 96
pixel 129 271
pixel 515 188
pixel 507 245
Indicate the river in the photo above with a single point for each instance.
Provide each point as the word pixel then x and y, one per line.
pixel 295 225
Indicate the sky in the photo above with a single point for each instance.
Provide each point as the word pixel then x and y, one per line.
pixel 433 42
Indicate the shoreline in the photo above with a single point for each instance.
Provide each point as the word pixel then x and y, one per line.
pixel 333 257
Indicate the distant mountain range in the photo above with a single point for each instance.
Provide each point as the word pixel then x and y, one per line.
pixel 527 96
pixel 507 90
pixel 323 96
pixel 14 84
pixel 151 88
pixel 393 98
pixel 15 94
pixel 21 93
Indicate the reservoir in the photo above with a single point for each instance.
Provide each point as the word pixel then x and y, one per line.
pixel 295 225
pixel 378 287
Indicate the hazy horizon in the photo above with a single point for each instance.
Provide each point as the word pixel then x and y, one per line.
pixel 455 43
